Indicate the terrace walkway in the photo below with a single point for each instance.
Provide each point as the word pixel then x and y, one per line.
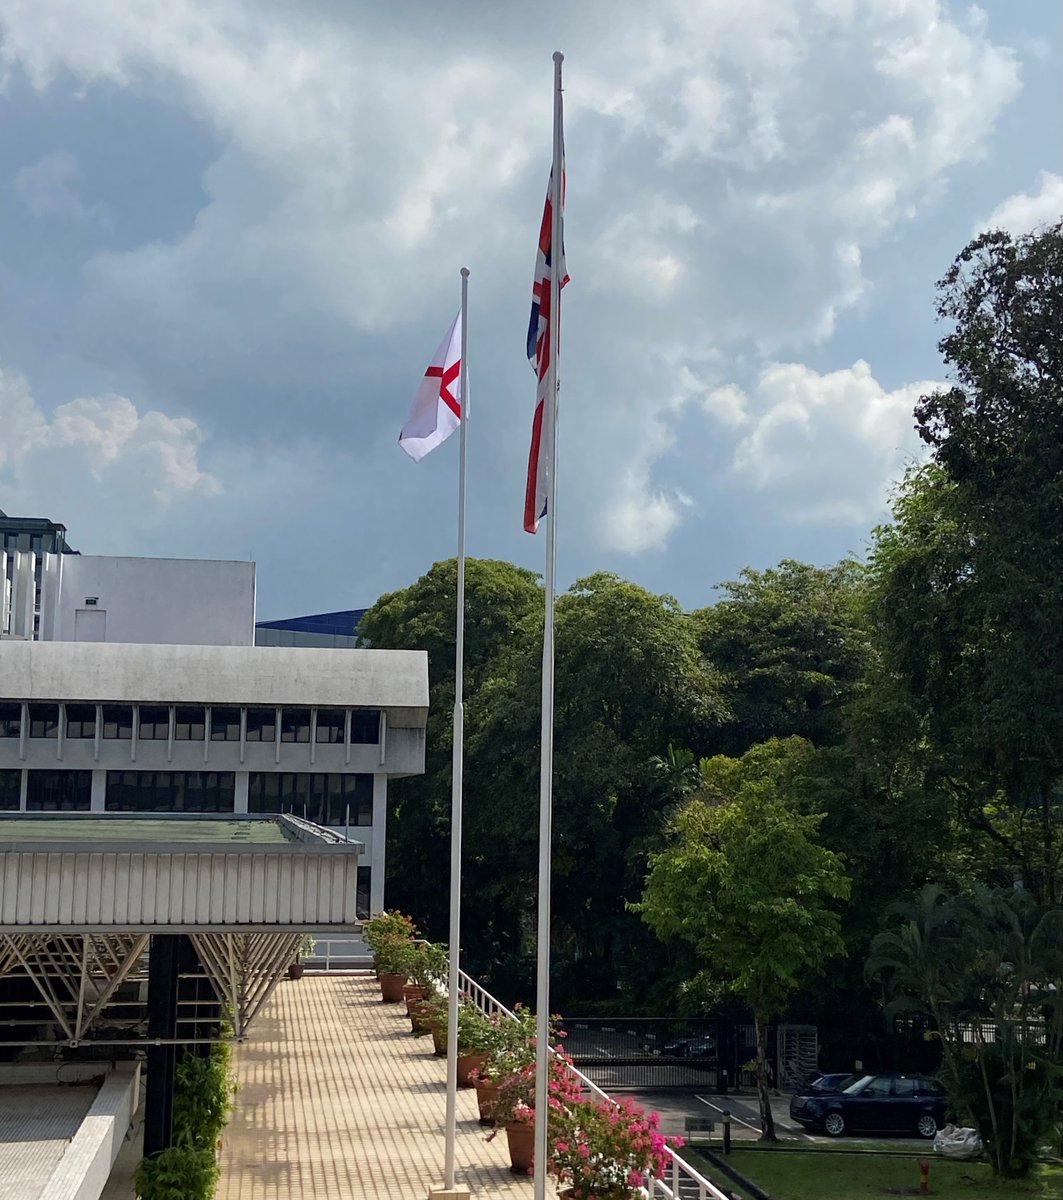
pixel 336 1098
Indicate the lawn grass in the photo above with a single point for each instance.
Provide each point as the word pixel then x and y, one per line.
pixel 826 1175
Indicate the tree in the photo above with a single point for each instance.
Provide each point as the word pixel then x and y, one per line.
pixel 987 967
pixel 791 647
pixel 967 583
pixel 748 884
pixel 629 680
pixel 500 600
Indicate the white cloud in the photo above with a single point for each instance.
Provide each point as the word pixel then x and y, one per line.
pixel 1024 212
pixel 828 446
pixel 729 162
pixel 147 455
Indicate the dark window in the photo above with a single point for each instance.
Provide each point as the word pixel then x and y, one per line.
pixel 362 894
pixel 10 789
pixel 10 714
pixel 118 721
pixel 877 1087
pixel 930 1087
pixel 58 791
pixel 224 724
pixel 295 725
pixel 154 723
pixel 365 727
pixel 189 725
pixel 261 724
pixel 904 1087
pixel 81 720
pixel 170 791
pixel 323 799
pixel 44 720
pixel 330 725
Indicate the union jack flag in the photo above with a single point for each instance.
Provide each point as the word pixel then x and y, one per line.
pixel 539 464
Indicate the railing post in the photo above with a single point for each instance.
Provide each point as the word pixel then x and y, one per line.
pixel 726 1131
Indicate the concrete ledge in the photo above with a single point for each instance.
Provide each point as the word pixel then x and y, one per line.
pixel 86 1164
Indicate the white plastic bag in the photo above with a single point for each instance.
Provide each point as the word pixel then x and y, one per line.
pixel 957 1142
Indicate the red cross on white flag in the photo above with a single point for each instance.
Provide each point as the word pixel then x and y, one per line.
pixel 436 410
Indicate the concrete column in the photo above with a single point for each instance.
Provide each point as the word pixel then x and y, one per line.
pixel 240 796
pixel 24 787
pixel 377 852
pixel 99 791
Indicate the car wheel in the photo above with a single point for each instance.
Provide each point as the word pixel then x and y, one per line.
pixel 926 1126
pixel 834 1124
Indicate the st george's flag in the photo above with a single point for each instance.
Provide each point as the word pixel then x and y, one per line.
pixel 539 464
pixel 436 410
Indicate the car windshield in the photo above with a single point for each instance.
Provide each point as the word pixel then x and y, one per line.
pixel 856 1083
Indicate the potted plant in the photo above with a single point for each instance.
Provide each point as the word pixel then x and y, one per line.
pixel 515 1107
pixel 607 1150
pixel 426 969
pixel 390 937
pixel 476 1034
pixel 304 949
pixel 508 1046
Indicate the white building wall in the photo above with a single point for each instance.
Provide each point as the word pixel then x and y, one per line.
pixel 166 601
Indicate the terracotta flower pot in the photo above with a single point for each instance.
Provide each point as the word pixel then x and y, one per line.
pixel 521 1138
pixel 439 1038
pixel 295 970
pixel 420 1019
pixel 486 1099
pixel 391 987
pixel 411 992
pixel 466 1064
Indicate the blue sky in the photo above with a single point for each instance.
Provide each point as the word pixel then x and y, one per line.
pixel 231 235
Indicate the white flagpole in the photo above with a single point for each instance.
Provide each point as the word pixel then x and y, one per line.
pixel 457 767
pixel 546 757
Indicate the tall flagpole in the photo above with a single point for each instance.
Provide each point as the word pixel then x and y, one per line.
pixel 546 758
pixel 453 983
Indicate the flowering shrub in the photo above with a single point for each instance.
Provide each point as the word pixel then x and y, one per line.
pixel 605 1150
pixel 390 936
pixel 516 1093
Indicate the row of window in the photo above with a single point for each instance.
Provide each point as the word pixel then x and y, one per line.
pixel 326 799
pixel 190 723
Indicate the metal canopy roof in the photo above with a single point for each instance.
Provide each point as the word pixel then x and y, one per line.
pixel 80 896
pixel 174 874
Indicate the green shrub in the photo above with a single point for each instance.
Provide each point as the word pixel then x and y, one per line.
pixel 180 1173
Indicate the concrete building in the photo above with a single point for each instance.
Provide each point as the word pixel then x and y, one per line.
pixel 331 630
pixel 97 727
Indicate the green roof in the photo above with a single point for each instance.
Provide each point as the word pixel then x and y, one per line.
pixel 114 827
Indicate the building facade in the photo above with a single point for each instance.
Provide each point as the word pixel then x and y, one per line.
pixel 100 727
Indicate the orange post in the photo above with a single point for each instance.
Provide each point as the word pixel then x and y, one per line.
pixel 924 1177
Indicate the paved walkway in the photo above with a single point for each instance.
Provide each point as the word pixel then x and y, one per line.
pixel 337 1099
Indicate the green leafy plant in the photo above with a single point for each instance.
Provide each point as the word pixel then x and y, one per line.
pixel 203 1097
pixel 179 1173
pixel 426 965
pixel 390 936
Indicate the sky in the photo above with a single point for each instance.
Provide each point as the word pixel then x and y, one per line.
pixel 231 235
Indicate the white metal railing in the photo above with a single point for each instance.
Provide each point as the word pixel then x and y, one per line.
pixel 678 1170
pixel 323 955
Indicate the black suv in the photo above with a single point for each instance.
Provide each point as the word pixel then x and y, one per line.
pixel 903 1104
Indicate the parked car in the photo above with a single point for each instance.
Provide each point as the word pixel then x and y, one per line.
pixel 696 1047
pixel 902 1104
pixel 830 1082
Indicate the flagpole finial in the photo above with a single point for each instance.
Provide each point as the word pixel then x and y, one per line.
pixel 558 57
pixel 465 272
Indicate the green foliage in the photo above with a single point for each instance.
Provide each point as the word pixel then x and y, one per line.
pixel 426 965
pixel 749 885
pixel 179 1173
pixel 203 1097
pixel 988 966
pixel 792 647
pixel 968 580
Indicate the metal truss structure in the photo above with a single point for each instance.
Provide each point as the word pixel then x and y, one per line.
pixel 77 992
